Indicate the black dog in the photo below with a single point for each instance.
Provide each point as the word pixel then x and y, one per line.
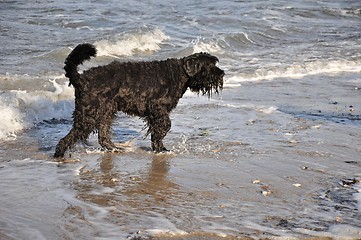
pixel 149 90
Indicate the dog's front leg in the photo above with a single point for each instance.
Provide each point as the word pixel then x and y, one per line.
pixel 104 134
pixel 159 127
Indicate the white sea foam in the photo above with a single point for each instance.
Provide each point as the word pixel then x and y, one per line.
pixel 267 110
pixel 296 71
pixel 159 231
pixel 127 44
pixel 22 109
pixel 11 117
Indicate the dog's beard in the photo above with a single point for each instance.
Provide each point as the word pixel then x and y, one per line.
pixel 207 82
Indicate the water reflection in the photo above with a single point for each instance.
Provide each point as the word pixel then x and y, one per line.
pixel 156 183
pixel 108 176
pixel 117 180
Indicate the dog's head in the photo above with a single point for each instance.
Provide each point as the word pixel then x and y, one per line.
pixel 204 75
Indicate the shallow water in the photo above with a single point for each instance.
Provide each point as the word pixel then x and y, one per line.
pixel 276 154
pixel 265 173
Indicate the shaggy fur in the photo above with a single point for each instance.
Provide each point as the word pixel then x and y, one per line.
pixel 149 90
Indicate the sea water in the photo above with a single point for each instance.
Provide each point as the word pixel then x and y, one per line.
pixel 276 154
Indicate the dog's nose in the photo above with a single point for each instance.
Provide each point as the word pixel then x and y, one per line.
pixel 222 73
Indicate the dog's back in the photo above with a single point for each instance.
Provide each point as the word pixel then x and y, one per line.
pixel 135 90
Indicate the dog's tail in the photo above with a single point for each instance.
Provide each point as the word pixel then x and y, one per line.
pixel 81 53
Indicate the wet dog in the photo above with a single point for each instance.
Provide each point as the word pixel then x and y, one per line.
pixel 149 90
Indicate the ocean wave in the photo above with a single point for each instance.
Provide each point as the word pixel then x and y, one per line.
pixel 128 44
pixel 202 45
pixel 23 109
pixel 342 12
pixel 296 71
pixel 240 39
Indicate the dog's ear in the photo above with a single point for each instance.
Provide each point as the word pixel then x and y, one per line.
pixel 191 65
pixel 194 63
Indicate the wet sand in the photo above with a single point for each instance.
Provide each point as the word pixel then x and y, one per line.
pixel 141 195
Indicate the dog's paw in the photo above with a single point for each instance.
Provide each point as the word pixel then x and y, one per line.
pixel 58 155
pixel 162 151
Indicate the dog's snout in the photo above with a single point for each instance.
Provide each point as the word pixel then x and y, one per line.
pixel 217 71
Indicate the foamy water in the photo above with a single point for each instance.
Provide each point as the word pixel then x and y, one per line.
pixel 276 154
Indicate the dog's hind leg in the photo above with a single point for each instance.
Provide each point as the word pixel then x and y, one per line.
pixel 66 142
pixel 158 128
pixel 79 132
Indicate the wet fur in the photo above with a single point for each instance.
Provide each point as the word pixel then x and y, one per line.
pixel 149 90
